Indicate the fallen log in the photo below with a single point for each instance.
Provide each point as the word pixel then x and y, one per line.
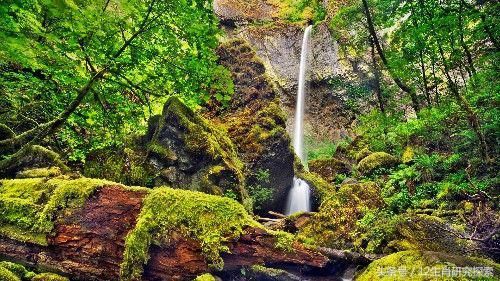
pixel 88 240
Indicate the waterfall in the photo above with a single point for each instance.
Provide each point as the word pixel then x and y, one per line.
pixel 300 193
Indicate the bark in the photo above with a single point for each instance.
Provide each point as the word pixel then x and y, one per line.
pixel 89 245
pixel 404 87
pixel 424 78
pixel 376 79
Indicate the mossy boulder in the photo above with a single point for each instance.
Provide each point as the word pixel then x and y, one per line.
pixel 257 126
pixel 409 265
pixel 430 233
pixel 376 161
pixel 362 154
pixel 191 152
pixel 329 168
pixel 335 223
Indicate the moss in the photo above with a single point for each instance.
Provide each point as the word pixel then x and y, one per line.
pixel 49 277
pixel 6 275
pixel 335 224
pixel 320 186
pixel 31 156
pixel 39 173
pixel 432 233
pixel 205 277
pixel 269 272
pixel 415 261
pixel 375 161
pixel 29 207
pixel 284 240
pixel 19 270
pixel 329 168
pixel 362 154
pixel 208 219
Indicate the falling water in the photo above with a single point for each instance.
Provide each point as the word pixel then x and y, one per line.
pixel 299 196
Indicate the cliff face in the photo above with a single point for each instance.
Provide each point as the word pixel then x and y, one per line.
pixel 278 44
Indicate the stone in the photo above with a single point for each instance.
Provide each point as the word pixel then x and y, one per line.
pixel 376 161
pixel 329 168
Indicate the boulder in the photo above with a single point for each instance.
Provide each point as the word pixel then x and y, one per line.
pixel 190 152
pixel 329 168
pixel 430 233
pixel 335 223
pixel 425 265
pixel 256 125
pixel 376 161
pixel 181 149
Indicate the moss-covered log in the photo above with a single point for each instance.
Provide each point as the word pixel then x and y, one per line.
pixel 90 229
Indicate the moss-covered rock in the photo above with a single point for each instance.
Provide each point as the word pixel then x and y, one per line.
pixel 257 126
pixel 430 233
pixel 29 207
pixel 329 168
pixel 362 154
pixel 191 152
pixel 375 161
pixel 335 223
pixel 413 263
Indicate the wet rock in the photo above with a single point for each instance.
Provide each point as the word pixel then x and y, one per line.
pixel 232 12
pixel 256 125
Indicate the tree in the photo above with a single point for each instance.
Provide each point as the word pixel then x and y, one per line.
pixel 94 68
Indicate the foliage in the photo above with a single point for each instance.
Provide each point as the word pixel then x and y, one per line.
pixel 260 192
pixel 301 10
pixel 10 271
pixel 149 50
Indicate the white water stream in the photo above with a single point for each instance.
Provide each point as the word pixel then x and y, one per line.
pixel 300 193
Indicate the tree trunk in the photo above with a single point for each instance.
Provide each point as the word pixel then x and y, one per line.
pixel 405 88
pixel 376 79
pixel 424 78
pixel 89 245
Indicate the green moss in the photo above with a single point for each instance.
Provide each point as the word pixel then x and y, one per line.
pixel 6 275
pixel 210 220
pixel 29 207
pixel 362 154
pixel 376 160
pixel 328 168
pixel 49 277
pixel 205 277
pixel 284 240
pixel 269 272
pixel 39 173
pixel 19 270
pixel 415 261
pixel 335 224
pixel 320 186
